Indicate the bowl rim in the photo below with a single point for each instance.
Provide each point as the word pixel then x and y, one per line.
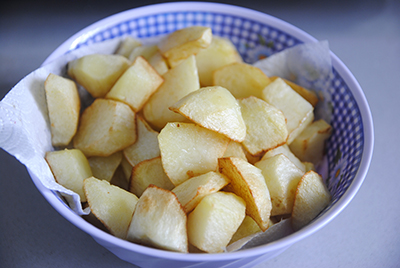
pixel 285 242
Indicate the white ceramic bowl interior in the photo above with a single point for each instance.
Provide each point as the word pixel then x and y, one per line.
pixel 349 149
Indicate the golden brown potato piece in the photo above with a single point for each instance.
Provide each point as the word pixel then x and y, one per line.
pixel 63 104
pixel 104 168
pixel 146 173
pixel 70 168
pixel 281 177
pixel 146 145
pixel 97 73
pixel 241 79
pixel 178 82
pixel 309 145
pixel 215 219
pixel 311 198
pixel 106 127
pixel 189 150
pixel 136 84
pixel 191 192
pixel 112 205
pixel 265 125
pixel 213 108
pixel 159 221
pixel 248 182
pixel 221 52
pixel 181 44
pixel 299 113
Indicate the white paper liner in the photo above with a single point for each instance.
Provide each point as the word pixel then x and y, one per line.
pixel 25 129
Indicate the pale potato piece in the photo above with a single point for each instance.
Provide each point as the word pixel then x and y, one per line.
pixel 191 192
pixel 299 113
pixel 214 108
pixel 159 221
pixel 309 166
pixel 119 179
pixel 309 145
pixel 307 94
pixel 112 205
pixel 215 219
pixel 284 149
pixel 235 149
pixel 221 52
pixel 241 79
pixel 126 168
pixel 178 82
pixel 127 45
pixel 149 172
pixel 188 150
pixel 248 182
pixel 104 168
pixel 248 227
pixel 181 44
pixel 70 167
pixel 146 51
pixel 63 104
pixel 281 177
pixel 136 85
pixel 311 198
pixel 97 73
pixel 159 63
pixel 106 127
pixel 265 125
pixel 146 145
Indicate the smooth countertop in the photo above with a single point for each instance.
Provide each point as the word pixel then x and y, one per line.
pixel 365 35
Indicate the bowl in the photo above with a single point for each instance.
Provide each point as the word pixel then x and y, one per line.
pixel 349 150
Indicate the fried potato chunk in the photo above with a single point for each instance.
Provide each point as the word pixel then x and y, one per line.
pixel 70 167
pixel 241 79
pixel 146 145
pixel 281 176
pixel 215 219
pixel 97 73
pixel 191 191
pixel 136 84
pixel 214 108
pixel 146 173
pixel 178 82
pixel 189 150
pixel 159 221
pixel 104 168
pixel 63 104
pixel 181 44
pixel 311 198
pixel 248 182
pixel 299 112
pixel 265 126
pixel 221 52
pixel 112 205
pixel 309 145
pixel 106 127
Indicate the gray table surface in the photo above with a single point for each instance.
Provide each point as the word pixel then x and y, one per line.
pixel 365 35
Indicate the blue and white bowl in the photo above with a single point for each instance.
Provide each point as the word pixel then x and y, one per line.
pixel 256 35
